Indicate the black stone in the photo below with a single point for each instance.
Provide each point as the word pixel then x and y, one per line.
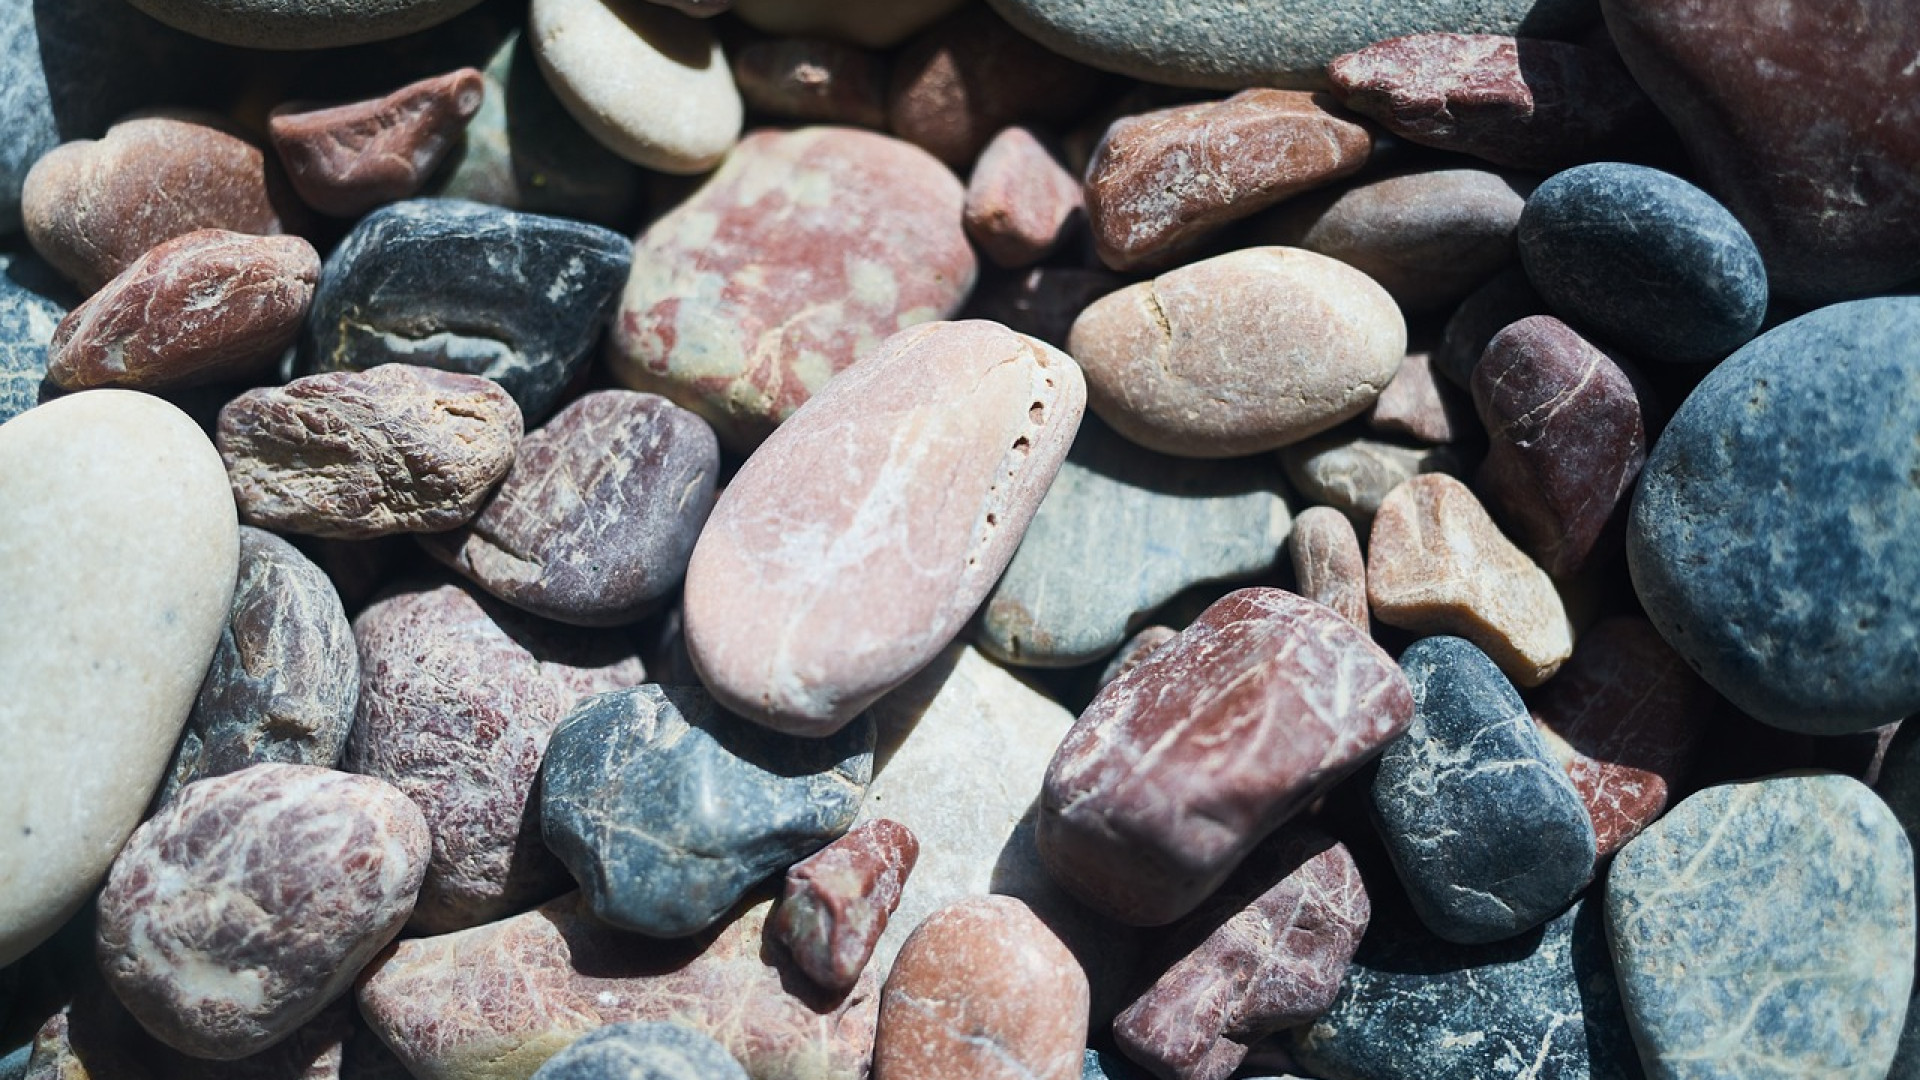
pixel 643 1051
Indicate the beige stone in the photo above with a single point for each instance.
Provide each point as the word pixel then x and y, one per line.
pixel 1327 565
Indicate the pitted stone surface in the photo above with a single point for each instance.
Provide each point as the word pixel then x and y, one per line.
pixel 1327 563
pixel 643 1051
pixel 348 159
pixel 839 900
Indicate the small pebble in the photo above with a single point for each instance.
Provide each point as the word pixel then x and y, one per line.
pixel 815 80
pixel 1327 564
pixel 839 900
pixel 1353 473
pixel 1021 202
pixel 643 1051
pixel 347 159
pixel 1418 405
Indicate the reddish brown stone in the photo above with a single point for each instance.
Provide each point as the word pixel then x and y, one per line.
pixel 1417 405
pixel 1161 180
pixel 813 79
pixel 1042 302
pixel 348 159
pixel 838 900
pixel 357 454
pixel 1520 102
pixel 1327 565
pixel 1180 767
pixel 982 990
pixel 203 307
pixel 1020 200
pixel 1267 952
pixel 1566 440
pixel 1136 650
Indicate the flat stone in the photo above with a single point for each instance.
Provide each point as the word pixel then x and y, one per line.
pixel 118 554
pixel 1180 767
pixel 596 519
pixel 1644 260
pixel 1524 103
pixel 297 24
pixel 1436 564
pixel 1042 302
pixel 33 300
pixel 860 538
pixel 1418 405
pixel 874 24
pixel 742 325
pixel 533 294
pixel 347 159
pixel 1327 564
pixel 643 1051
pixel 458 698
pixel 1155 184
pixel 1021 201
pixel 1240 353
pixel 205 306
pixel 1505 299
pixel 1566 439
pixel 1771 516
pixel 983 989
pixel 284 678
pixel 358 454
pixel 1122 531
pixel 1800 887
pixel 1353 473
pixel 1135 651
pixel 839 900
pixel 815 80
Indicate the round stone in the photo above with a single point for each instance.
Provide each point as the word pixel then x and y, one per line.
pixel 301 24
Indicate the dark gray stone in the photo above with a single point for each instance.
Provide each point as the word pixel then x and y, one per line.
pixel 1644 260
pixel 643 1051
pixel 1484 827
pixel 668 809
pixel 1765 930
pixel 461 286
pixel 1771 539
pixel 33 300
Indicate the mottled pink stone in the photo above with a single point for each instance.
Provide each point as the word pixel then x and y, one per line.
pixel 348 159
pixel 1021 201
pixel 838 900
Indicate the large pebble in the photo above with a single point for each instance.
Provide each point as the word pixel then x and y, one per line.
pixel 1243 352
pixel 118 553
pixel 347 159
pixel 285 24
pixel 33 300
pixel 853 546
pixel 635 1050
pixel 1775 511
pixel 837 902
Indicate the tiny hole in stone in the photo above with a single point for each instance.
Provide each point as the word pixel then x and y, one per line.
pixel 1037 412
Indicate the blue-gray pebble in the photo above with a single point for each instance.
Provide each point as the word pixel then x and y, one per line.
pixel 519 298
pixel 643 1051
pixel 33 300
pixel 667 809
pixel 1485 829
pixel 1772 537
pixel 1899 785
pixel 1765 930
pixel 1644 261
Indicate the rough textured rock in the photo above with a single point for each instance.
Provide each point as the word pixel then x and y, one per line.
pixel 839 900
pixel 1327 564
pixel 643 1051
pixel 1781 603
pixel 252 900
pixel 33 300
pixel 1021 203
pixel 205 306
pixel 358 454
pixel 1436 564
pixel 1043 301
pixel 875 24
pixel 1418 405
pixel 1243 352
pixel 1354 474
pixel 118 553
pixel 301 24
pixel 457 701
pixel 814 80
pixel 1801 889
pixel 1180 767
pixel 982 989
pixel 284 678
pixel 742 326
pixel 534 293
pixel 348 159
pixel 853 546
pixel 596 519
pixel 1161 180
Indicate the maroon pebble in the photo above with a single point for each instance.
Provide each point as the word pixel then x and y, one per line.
pixel 813 79
pixel 1021 201
pixel 1419 406
pixel 348 159
pixel 838 900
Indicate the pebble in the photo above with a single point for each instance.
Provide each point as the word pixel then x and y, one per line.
pixel 1775 509
pixel 982 989
pixel 650 83
pixel 1180 767
pixel 1244 352
pixel 743 326
pixel 838 901
pixel 205 306
pixel 1418 405
pixel 33 300
pixel 1122 531
pixel 118 554
pixel 815 80
pixel 859 539
pixel 643 1051
pixel 873 24
pixel 1699 290
pixel 277 24
pixel 595 521
pixel 1156 184
pixel 284 678
pixel 252 901
pixel 345 160
pixel 359 454
pixel 1437 564
pixel 534 293
pixel 1353 473
pixel 1327 564
pixel 1021 202
pixel 1800 889
pixel 458 698
pixel 1506 298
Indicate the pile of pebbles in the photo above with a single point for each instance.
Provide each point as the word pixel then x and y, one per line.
pixel 1030 539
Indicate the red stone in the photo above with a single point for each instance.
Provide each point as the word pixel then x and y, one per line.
pixel 348 159
pixel 838 900
pixel 1419 406
pixel 1021 202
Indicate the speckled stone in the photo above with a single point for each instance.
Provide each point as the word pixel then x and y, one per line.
pixel 643 1051
pixel 457 701
pixel 1243 352
pixel 302 24
pixel 533 294
pixel 1354 473
pixel 347 159
pixel 1782 603
pixel 875 24
pixel 33 300
pixel 1180 767
pixel 1327 564
pixel 1485 829
pixel 284 678
pixel 1506 298
pixel 816 80
pixel 1643 260
pixel 1122 531
pixel 252 900
pixel 1418 405
pixel 1021 202
pixel 742 325
pixel 1801 890
pixel 838 901
pixel 667 809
